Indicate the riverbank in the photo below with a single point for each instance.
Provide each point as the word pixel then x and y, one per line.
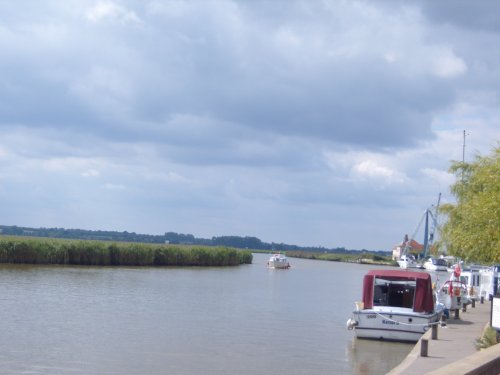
pixel 454 351
pixel 361 258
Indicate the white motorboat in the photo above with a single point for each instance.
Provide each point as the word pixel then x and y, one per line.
pixel 408 261
pixel 436 264
pixel 278 260
pixel 397 305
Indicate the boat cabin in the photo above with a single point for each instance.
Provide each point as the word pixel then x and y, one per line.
pixel 489 282
pixel 399 289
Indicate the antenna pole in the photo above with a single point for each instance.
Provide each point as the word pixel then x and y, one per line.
pixel 463 150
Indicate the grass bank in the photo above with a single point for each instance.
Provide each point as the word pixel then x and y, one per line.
pixel 363 258
pixel 101 253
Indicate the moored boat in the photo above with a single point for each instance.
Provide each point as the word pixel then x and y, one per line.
pixel 408 261
pixel 436 264
pixel 453 293
pixel 410 248
pixel 278 260
pixel 489 282
pixel 471 277
pixel 397 305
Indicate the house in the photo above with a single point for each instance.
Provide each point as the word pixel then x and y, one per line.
pixel 413 248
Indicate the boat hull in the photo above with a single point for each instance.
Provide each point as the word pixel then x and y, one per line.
pixel 433 264
pixel 407 262
pixel 405 326
pixel 279 264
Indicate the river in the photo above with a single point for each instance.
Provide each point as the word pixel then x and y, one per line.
pixel 184 321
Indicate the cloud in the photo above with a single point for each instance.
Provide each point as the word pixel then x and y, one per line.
pixel 112 11
pixel 110 186
pixel 448 66
pixel 91 173
pixel 293 121
pixel 369 169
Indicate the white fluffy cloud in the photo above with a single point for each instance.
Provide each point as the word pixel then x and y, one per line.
pixel 110 10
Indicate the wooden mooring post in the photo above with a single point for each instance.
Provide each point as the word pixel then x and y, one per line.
pixel 424 347
pixel 434 334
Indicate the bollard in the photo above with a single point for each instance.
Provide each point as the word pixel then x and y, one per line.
pixel 424 347
pixel 434 334
pixel 457 313
pixel 443 320
pixel 482 300
pixel 473 303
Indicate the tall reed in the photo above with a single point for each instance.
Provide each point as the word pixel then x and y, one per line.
pixel 101 253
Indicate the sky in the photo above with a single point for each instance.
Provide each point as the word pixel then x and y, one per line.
pixel 307 122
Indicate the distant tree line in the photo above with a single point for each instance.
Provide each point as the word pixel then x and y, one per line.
pixel 247 242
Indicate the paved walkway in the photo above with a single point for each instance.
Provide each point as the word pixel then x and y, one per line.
pixel 455 342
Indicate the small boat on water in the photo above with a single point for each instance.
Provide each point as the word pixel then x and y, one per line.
pixel 408 261
pixel 436 264
pixel 278 260
pixel 397 305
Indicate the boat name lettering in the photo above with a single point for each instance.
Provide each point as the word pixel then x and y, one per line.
pixel 389 322
pixel 371 316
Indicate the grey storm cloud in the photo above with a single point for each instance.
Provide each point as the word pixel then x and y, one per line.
pixel 223 60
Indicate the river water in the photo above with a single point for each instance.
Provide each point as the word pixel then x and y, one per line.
pixel 237 320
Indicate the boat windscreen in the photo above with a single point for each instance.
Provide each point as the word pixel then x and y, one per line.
pixel 394 293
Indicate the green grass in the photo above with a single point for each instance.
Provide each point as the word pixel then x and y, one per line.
pixel 490 337
pixel 364 258
pixel 30 250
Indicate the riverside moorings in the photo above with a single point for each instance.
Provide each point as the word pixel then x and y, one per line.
pixel 455 349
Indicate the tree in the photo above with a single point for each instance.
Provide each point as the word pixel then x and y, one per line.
pixel 472 229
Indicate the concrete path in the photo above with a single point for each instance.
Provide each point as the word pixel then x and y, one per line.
pixel 454 343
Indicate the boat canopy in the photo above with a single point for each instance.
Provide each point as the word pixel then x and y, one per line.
pixel 423 300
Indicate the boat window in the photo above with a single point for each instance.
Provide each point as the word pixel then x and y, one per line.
pixel 401 295
pixel 395 294
pixel 380 295
pixel 476 281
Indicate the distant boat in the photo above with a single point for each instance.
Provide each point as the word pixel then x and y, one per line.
pixel 436 264
pixel 408 261
pixel 397 305
pixel 278 260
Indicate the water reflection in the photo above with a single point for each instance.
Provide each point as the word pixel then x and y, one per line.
pixel 368 356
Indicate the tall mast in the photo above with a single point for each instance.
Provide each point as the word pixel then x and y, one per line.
pixel 434 221
pixel 426 234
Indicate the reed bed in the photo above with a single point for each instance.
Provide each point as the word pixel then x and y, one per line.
pixel 101 253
